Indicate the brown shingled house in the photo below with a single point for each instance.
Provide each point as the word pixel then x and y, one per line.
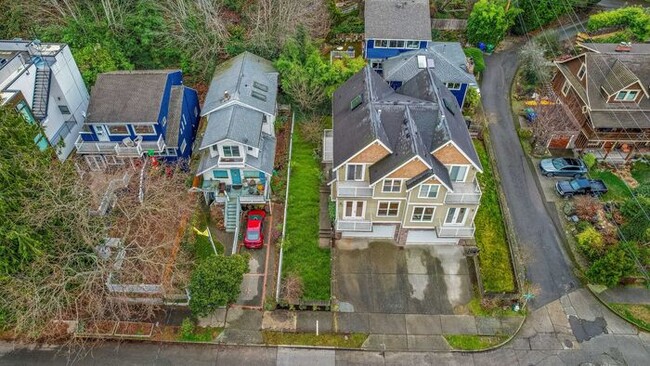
pixel 606 92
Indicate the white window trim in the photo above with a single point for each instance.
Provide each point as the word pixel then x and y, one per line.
pixel 467 167
pixel 420 191
pixel 144 134
pixel 455 223
pixel 388 209
pixel 223 154
pixel 450 88
pixel 383 186
pixel 363 172
pixel 566 87
pixel 433 214
pixel 583 71
pixel 108 130
pixel 406 41
pixel 627 92
pixel 164 121
pixel 183 146
pixel 358 217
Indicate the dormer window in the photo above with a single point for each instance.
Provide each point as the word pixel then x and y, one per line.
pixel 626 95
pixel 231 151
pixel 582 72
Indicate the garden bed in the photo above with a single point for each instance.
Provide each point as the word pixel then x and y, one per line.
pixel 494 258
pixel 134 329
pixel 473 342
pixel 302 255
pixel 636 314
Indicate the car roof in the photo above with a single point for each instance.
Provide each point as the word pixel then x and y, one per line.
pixel 572 161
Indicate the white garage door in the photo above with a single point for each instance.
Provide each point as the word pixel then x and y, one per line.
pixel 378 232
pixel 427 237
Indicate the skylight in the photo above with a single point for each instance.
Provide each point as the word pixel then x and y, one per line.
pixel 422 61
pixel 260 86
pixel 258 95
pixel 356 101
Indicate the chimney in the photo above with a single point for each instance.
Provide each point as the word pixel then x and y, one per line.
pixel 226 96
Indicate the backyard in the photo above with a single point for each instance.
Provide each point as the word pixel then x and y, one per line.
pixel 494 258
pixel 302 255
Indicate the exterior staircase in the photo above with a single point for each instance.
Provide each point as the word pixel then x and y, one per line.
pixel 41 92
pixel 231 215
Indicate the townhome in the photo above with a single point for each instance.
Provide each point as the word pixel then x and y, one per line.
pixel 447 61
pixel 138 113
pixel 238 146
pixel 43 82
pixel 393 27
pixel 403 163
pixel 604 92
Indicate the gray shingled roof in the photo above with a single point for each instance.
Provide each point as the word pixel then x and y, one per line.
pixel 448 64
pixel 127 96
pixel 174 115
pixel 413 126
pixel 637 48
pixel 397 19
pixel 236 123
pixel 618 77
pixel 247 78
pixel 264 162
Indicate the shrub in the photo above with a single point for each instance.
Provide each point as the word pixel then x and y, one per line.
pixel 590 160
pixel 617 263
pixel 216 282
pixel 472 100
pixel 312 130
pixel 583 225
pixel 477 56
pixel 634 18
pixel 586 207
pixel 534 66
pixel 489 21
pixel 590 243
pixel 187 328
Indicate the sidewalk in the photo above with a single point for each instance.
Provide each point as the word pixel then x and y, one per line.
pixel 626 295
pixel 395 332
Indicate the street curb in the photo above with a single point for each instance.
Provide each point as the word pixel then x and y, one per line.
pixel 606 304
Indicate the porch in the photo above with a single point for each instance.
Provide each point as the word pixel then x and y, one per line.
pixel 126 148
pixel 221 192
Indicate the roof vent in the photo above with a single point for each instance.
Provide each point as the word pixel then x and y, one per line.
pixel 226 96
pixel 624 47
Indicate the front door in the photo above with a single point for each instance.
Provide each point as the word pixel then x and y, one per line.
pixel 100 131
pixel 235 175
pixel 456 216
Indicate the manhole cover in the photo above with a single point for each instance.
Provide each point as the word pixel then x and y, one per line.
pixel 568 343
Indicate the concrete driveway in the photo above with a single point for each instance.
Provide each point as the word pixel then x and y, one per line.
pixel 379 277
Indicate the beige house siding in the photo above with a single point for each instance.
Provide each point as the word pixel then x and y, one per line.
pixel 413 196
pixel 409 170
pixel 378 194
pixel 372 211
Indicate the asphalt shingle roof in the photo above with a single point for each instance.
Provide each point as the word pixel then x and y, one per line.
pixel 397 19
pixel 236 123
pixel 127 96
pixel 174 115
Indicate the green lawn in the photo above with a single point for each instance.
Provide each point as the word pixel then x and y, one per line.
pixel 637 314
pixel 494 257
pixel 641 171
pixel 617 189
pixel 354 340
pixel 302 255
pixel 201 334
pixel 473 342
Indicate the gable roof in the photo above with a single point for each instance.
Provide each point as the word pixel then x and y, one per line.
pixel 410 123
pixel 248 79
pixel 397 19
pixel 127 96
pixel 607 72
pixel 447 60
pixel 235 123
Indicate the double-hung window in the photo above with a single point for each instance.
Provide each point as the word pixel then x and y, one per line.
pixel 566 87
pixel 387 209
pixel 429 191
pixel 391 186
pixel 413 44
pixel 422 214
pixel 231 151
pixel 457 173
pixel 453 86
pixel 354 172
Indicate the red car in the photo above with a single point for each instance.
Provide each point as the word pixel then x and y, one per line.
pixel 254 235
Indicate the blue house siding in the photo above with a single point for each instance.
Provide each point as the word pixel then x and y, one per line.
pixel 460 94
pixel 190 113
pixel 91 136
pixel 382 53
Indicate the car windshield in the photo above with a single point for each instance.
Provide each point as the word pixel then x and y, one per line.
pixel 575 185
pixel 252 234
pixel 255 217
pixel 559 163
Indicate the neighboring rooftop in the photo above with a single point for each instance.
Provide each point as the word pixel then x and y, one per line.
pixel 398 19
pixel 634 48
pixel 246 78
pixel 446 59
pixel 127 96
pixel 412 122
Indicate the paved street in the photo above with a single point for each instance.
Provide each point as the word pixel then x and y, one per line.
pixel 546 262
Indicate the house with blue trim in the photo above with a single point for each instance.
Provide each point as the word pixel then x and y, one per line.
pixel 446 60
pixel 393 27
pixel 237 150
pixel 137 113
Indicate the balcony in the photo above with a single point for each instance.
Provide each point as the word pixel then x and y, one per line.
pixel 453 231
pixel 464 193
pixel 353 225
pixel 353 189
pixel 328 146
pixel 120 149
pixel 231 162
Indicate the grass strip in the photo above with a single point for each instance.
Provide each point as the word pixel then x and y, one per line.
pixel 472 342
pixel 636 314
pixel 354 340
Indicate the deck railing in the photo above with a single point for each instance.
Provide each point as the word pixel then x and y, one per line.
pixel 350 225
pixel 452 231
